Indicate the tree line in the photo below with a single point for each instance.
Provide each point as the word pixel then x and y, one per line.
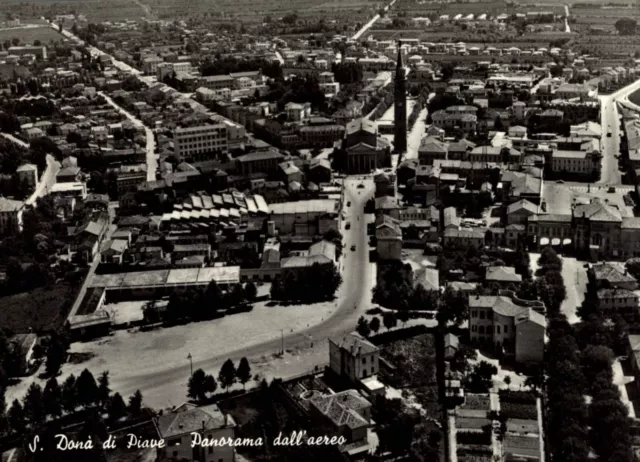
pixel 199 305
pixel 313 284
pixel 202 384
pixel 579 361
pixel 41 405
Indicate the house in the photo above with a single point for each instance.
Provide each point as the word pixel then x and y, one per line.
pixel 502 276
pixel 113 251
pixel 509 325
pixel 520 211
pixel 618 301
pixel 431 149
pixel 10 216
pixel 181 427
pixel 460 238
pixel 23 345
pixel 387 205
pixel 347 412
pixel 353 357
pixel 451 344
pixel 388 238
pixel 611 275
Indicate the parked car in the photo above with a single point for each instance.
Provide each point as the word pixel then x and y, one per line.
pixel 347 226
pixel 353 247
pixel 361 186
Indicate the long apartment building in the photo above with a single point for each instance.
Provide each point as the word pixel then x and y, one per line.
pixel 201 142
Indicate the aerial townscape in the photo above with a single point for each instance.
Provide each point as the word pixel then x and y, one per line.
pixel 269 231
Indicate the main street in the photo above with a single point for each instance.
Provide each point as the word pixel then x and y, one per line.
pixel 610 147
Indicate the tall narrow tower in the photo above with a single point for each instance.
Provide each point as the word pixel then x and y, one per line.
pixel 400 105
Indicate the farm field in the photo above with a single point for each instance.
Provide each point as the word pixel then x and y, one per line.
pixel 413 9
pixel 42 309
pixel 255 11
pixel 28 35
pixel 94 10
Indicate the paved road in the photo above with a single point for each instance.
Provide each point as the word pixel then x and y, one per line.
pixel 152 158
pixel 567 29
pixel 610 123
pixel 354 299
pixel 368 25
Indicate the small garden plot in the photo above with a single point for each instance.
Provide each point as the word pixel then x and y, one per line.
pixel 482 438
pixel 518 405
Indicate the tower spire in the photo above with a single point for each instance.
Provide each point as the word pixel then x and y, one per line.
pixel 400 105
pixel 399 61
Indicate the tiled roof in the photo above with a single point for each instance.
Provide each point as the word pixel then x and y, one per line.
pixel 502 274
pixel 355 344
pixel 189 419
pixel 342 408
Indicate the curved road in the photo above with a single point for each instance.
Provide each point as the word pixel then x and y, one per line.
pixel 354 292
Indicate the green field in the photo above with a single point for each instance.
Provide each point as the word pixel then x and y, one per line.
pixel 27 35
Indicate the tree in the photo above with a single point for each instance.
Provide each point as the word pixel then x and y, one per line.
pixel 237 295
pixel 244 372
pixel 116 407
pixel 375 324
pixel 403 317
pixel 362 327
pixel 52 398
pixel 69 394
pixel 103 388
pixel 463 355
pixel 227 375
pixel 497 124
pixel 210 384
pixel 56 354
pixel 626 26
pixel 87 389
pixel 196 386
pixel 16 417
pixel 34 405
pixel 479 380
pixel 389 320
pixel 251 291
pixel 135 403
pixel 277 290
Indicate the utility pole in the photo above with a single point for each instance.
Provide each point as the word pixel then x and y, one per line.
pixel 282 342
pixel 190 358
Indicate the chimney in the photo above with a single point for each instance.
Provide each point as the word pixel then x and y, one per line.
pixel 203 425
pixel 226 420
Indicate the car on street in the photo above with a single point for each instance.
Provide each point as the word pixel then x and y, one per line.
pixel 361 186
pixel 349 204
pixel 353 247
pixel 347 226
pixel 609 135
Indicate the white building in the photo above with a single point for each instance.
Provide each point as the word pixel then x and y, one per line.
pixel 199 142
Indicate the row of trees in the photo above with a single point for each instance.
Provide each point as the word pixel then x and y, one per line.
pixel 567 416
pixel 200 305
pixel 55 400
pixel 389 320
pixel 314 284
pixel 202 384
